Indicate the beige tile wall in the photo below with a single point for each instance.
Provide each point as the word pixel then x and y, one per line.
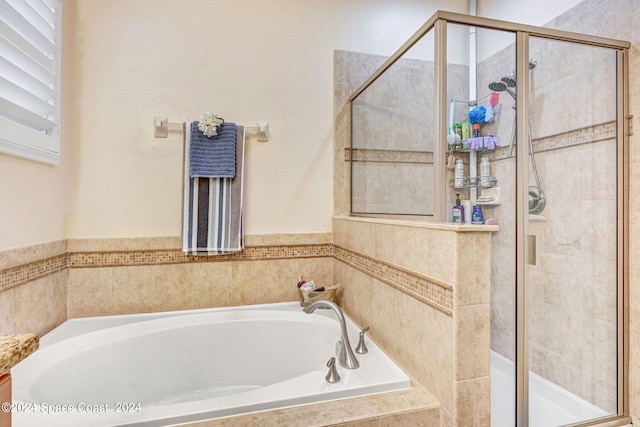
pixel 43 285
pixel 118 276
pixel 445 347
pixel 33 288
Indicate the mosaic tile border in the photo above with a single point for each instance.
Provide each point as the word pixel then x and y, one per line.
pixel 176 256
pixel 437 294
pixel 20 274
pixel 587 135
pixel 395 156
pixel 573 138
pixel 432 292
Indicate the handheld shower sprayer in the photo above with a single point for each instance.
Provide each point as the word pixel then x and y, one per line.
pixel 500 86
pixel 537 198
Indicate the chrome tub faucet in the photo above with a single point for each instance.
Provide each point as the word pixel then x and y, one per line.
pixel 346 358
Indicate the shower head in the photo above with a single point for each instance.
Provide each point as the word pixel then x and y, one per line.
pixel 509 80
pixel 500 86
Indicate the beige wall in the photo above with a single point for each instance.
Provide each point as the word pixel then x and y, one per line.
pixel 33 202
pixel 129 61
pixel 246 61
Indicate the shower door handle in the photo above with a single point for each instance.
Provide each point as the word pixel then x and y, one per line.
pixel 532 249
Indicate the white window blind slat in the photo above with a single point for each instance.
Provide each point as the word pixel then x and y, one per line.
pixel 25 62
pixel 24 8
pixel 27 29
pixel 26 81
pixel 14 93
pixel 25 117
pixel 23 44
pixel 30 40
pixel 44 11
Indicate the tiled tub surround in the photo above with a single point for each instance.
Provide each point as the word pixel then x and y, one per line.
pixel 43 285
pixel 113 276
pixel 33 288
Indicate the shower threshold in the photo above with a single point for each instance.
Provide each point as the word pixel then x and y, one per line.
pixel 549 404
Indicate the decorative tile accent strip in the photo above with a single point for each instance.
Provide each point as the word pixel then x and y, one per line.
pixel 14 276
pixel 394 156
pixel 434 292
pixel 587 135
pixel 20 274
pixel 431 291
pixel 176 256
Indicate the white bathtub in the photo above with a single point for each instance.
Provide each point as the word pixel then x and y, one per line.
pixel 168 368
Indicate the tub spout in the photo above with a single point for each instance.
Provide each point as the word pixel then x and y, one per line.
pixel 346 358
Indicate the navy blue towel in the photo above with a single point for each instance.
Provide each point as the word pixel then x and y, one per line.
pixel 213 157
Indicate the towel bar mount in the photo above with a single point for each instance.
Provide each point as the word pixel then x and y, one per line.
pixel 161 128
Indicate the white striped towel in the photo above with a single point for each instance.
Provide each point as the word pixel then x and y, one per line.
pixel 212 221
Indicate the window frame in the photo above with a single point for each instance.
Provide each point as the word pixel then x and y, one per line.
pixel 17 139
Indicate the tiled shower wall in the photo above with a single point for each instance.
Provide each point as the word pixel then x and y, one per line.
pixel 392 152
pixel 393 141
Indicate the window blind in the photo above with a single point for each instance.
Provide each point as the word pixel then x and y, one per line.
pixel 30 39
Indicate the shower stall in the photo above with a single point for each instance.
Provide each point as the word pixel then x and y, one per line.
pixel 530 124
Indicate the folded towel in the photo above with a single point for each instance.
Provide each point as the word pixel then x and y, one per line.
pixel 215 156
pixel 212 207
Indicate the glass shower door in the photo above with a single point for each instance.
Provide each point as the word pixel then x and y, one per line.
pixel 572 279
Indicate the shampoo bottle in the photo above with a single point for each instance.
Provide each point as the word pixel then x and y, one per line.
pixel 477 217
pixel 458 211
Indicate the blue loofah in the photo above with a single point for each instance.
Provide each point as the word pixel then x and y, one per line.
pixel 477 115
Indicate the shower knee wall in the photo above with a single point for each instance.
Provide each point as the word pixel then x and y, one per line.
pixel 433 309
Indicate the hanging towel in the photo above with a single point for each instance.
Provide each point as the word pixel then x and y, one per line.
pixel 212 207
pixel 215 156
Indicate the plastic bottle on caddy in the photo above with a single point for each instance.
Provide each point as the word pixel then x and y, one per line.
pixel 485 171
pixel 458 211
pixel 476 215
pixel 459 174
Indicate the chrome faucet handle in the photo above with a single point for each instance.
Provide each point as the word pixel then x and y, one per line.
pixel 362 347
pixel 332 376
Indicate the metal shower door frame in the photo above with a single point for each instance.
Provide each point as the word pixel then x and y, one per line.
pixel 523 32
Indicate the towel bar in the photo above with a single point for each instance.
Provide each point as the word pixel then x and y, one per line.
pixel 161 128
